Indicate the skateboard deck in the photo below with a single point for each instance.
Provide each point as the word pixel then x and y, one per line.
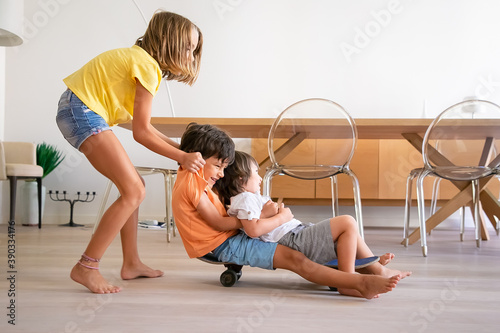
pixel 233 271
pixel 359 263
pixel 212 259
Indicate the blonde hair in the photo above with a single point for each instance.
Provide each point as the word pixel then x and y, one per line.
pixel 166 39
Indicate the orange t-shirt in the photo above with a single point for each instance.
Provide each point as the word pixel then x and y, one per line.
pixel 198 237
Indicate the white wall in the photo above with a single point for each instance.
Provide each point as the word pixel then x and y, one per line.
pixel 378 58
pixel 3 201
pixel 2 92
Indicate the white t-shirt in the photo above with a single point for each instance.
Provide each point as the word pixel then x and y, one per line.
pixel 248 206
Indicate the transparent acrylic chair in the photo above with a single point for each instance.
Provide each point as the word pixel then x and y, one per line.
pixel 470 130
pixel 440 147
pixel 435 193
pixel 169 176
pixel 318 120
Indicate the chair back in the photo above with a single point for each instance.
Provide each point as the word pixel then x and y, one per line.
pixel 462 143
pixel 312 139
pixel 3 172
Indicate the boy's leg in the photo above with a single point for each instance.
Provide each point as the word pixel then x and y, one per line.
pixel 368 286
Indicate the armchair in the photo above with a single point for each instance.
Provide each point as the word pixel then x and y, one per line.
pixel 18 161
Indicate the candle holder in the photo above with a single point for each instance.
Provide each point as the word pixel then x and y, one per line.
pixel 71 205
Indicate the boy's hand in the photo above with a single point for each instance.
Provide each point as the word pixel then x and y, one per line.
pixel 192 162
pixel 269 209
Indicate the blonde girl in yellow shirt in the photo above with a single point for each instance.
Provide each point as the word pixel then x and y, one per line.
pixel 115 87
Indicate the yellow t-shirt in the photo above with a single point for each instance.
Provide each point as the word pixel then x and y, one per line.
pixel 198 237
pixel 106 84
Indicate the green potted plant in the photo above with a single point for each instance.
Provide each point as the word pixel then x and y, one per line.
pixel 48 157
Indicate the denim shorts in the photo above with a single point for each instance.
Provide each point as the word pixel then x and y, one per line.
pixel 76 121
pixel 243 250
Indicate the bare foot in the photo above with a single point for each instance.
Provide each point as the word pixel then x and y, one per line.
pixel 134 271
pixel 351 292
pixel 379 268
pixel 373 285
pixel 386 258
pixel 92 279
pixel 386 272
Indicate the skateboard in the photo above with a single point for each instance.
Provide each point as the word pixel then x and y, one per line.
pixel 233 271
pixel 358 264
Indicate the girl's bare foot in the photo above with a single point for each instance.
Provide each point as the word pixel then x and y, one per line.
pixel 386 258
pixel 379 268
pixel 92 279
pixel 373 285
pixel 134 271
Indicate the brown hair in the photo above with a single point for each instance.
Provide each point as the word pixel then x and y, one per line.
pixel 236 176
pixel 209 141
pixel 166 39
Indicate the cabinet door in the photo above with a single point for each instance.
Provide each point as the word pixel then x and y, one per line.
pixel 285 186
pixel 397 159
pixel 365 164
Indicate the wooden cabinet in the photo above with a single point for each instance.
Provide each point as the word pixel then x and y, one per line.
pixel 284 186
pixel 364 164
pixel 381 166
pixel 396 159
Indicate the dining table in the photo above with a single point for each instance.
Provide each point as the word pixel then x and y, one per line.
pixel 410 129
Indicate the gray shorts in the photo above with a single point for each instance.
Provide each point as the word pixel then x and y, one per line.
pixel 315 241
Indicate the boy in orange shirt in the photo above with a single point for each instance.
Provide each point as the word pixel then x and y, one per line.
pixel 204 225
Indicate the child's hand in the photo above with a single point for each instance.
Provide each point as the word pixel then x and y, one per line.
pixel 269 209
pixel 285 213
pixel 192 162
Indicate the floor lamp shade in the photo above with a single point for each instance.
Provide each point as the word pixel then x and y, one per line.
pixel 11 22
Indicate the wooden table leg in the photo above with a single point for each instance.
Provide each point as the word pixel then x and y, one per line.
pixel 284 149
pixel 491 206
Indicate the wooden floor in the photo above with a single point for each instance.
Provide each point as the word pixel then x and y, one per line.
pixel 455 289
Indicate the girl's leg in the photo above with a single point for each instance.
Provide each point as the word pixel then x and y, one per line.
pixel 346 225
pixel 107 155
pixel 132 266
pixel 368 286
pixel 345 233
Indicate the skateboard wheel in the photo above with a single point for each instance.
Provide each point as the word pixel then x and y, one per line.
pixel 238 275
pixel 228 278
